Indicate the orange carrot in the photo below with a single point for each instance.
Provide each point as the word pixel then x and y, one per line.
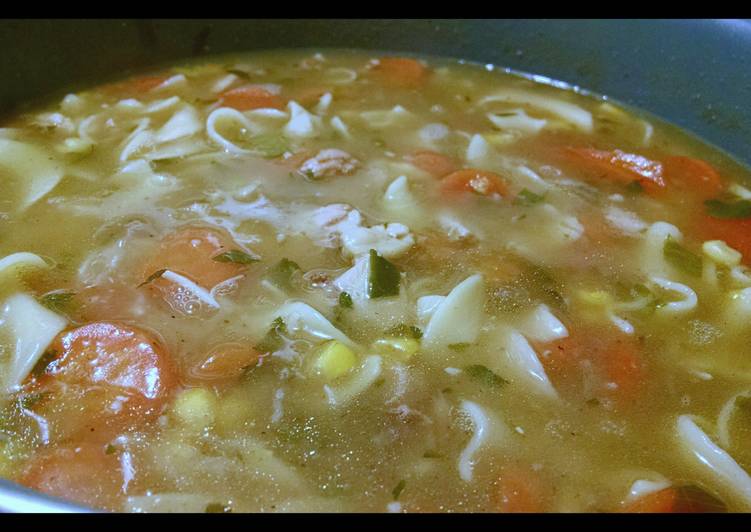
pixel 519 491
pixel 85 474
pixel 693 176
pixel 136 86
pixel 476 181
pixel 250 97
pixel 681 499
pixel 226 362
pixel 620 167
pixel 191 252
pixel 736 233
pixel 436 164
pixel 614 360
pixel 401 72
pixel 129 361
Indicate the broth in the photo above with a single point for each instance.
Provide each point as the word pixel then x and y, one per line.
pixel 298 281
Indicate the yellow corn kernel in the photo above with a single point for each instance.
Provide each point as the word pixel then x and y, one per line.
pixel 594 297
pixel 334 360
pixel 721 253
pixel 195 408
pixel 399 348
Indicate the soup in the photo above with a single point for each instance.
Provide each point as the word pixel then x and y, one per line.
pixel 337 282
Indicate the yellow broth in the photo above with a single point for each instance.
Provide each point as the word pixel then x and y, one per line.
pixel 640 341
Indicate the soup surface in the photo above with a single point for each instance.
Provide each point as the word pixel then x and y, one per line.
pixel 338 282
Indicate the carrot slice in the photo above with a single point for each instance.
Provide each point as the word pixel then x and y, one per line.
pixel 401 72
pixel 436 164
pixel 122 358
pixel 736 233
pixel 250 97
pixel 475 181
pixel 614 360
pixel 226 362
pixel 85 474
pixel 519 491
pixel 136 86
pixel 620 167
pixel 190 252
pixel 681 499
pixel 694 176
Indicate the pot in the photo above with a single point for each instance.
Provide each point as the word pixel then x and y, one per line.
pixel 695 74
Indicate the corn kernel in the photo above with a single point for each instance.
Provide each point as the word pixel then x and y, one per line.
pixel 721 253
pixel 399 348
pixel 196 408
pixel 334 360
pixel 594 297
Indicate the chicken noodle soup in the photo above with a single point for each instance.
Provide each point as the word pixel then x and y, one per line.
pixel 331 281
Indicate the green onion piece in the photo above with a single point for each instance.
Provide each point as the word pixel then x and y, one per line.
pixel 731 210
pixel 484 376
pixel 281 273
pixel 57 301
pixel 345 300
pixel 156 275
pixel 398 489
pixel 235 256
pixel 404 331
pixel 527 198
pixel 383 277
pixel 682 258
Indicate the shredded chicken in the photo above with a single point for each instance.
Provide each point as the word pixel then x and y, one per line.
pixel 328 163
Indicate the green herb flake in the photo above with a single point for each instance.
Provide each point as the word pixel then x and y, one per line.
pixel 527 198
pixel 282 272
pixel 154 276
pixel 110 449
pixel 405 331
pixel 593 402
pixel 57 301
pixel 345 300
pixel 432 454
pixel 681 258
pixel 383 277
pixel 484 376
pixel 273 339
pixel 730 210
pixel 217 508
pixel 398 489
pixel 235 256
